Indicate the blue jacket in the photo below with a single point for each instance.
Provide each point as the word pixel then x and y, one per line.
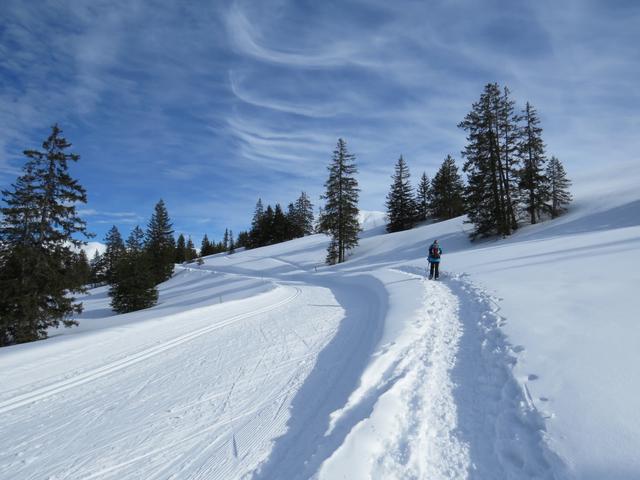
pixel 432 259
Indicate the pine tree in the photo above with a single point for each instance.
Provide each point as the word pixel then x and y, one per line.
pixel 243 240
pixel 508 134
pixel 38 244
pixel 533 181
pixel 232 244
pixel 266 227
pixel 190 251
pixel 447 191
pixel 401 207
pixel 489 163
pixel 181 250
pixel 225 239
pixel 279 226
pixel 160 244
pixel 304 214
pixel 134 287
pixel 293 225
pixel 256 236
pixel 423 198
pixel 98 269
pixel 558 188
pixel 320 224
pixel 114 252
pixel 205 246
pixel 81 268
pixel 340 215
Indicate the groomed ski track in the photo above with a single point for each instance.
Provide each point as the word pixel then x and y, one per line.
pixel 324 375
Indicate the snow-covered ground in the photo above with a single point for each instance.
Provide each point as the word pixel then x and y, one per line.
pixel 522 362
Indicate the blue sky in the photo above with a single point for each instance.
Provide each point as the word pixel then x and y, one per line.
pixel 212 104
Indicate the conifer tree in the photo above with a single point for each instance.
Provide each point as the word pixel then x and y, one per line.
pixel 256 234
pixel 447 191
pixel 160 244
pixel 38 244
pixel 113 253
pixel 190 251
pixel 423 198
pixel 279 226
pixel 533 181
pixel 558 188
pixel 225 239
pixel 232 244
pixel 205 246
pixel 243 240
pixel 266 227
pixel 489 163
pixel 304 212
pixel 401 207
pixel 81 268
pixel 340 215
pixel 134 287
pixel 293 222
pixel 181 250
pixel 508 134
pixel 97 275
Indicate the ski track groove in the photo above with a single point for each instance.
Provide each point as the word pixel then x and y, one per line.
pixel 93 374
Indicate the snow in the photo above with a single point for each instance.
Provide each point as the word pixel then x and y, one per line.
pixel 519 363
pixel 92 247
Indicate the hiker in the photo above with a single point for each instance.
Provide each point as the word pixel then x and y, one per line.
pixel 434 259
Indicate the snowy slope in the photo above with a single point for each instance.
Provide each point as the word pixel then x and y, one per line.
pixel 267 364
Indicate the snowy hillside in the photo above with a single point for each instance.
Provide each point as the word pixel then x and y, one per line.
pixel 520 363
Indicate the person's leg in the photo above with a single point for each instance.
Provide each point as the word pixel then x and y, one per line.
pixel 431 269
pixel 437 269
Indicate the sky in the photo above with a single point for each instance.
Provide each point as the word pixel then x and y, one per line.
pixel 211 105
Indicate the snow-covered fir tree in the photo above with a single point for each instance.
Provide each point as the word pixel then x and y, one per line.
pixel 401 206
pixel 340 215
pixel 447 191
pixel 39 245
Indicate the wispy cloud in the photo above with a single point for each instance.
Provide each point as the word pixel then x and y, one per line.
pixel 212 104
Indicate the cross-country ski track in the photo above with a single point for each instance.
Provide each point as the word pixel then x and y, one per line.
pixel 268 364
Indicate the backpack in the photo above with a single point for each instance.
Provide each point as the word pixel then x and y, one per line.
pixel 434 251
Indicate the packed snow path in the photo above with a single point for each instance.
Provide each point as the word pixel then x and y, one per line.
pixel 451 408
